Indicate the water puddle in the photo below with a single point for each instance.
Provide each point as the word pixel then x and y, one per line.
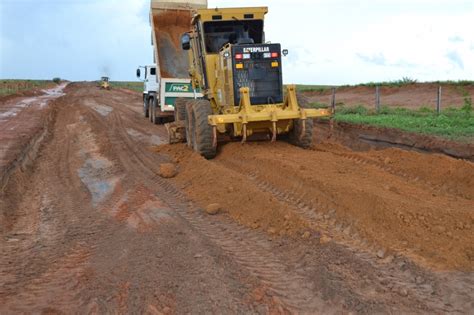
pixel 154 139
pixel 97 171
pixel 38 101
pixel 103 110
pixel 91 174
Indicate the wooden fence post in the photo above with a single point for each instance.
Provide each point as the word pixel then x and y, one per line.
pixel 438 101
pixel 333 112
pixel 333 101
pixel 377 99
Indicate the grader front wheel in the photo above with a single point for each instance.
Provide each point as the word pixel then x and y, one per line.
pixel 202 139
pixel 302 133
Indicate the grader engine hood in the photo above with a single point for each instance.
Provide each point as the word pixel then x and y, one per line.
pixel 258 67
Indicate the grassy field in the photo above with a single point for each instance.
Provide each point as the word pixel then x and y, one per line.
pixel 395 83
pixel 453 124
pixel 134 86
pixel 9 87
pixel 409 81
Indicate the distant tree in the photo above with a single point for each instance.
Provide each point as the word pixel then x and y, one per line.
pixel 57 80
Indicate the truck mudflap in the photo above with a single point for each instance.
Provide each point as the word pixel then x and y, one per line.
pixel 279 116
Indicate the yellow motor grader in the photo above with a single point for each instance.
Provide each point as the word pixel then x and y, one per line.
pixel 240 76
pixel 104 83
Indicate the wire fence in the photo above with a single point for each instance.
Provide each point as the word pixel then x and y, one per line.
pixel 377 98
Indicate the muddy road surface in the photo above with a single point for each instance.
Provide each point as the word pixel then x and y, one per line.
pixel 89 226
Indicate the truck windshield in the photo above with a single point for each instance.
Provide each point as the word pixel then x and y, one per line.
pixel 153 71
pixel 218 34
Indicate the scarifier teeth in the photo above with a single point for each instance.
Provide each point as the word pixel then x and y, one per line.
pixel 303 128
pixel 214 136
pixel 274 131
pixel 244 133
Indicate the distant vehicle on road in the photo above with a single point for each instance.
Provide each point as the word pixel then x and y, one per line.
pixel 104 83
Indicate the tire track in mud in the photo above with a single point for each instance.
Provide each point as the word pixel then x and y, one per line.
pixel 428 291
pixel 231 238
pixel 257 254
pixel 292 281
pixel 51 260
pixel 254 252
pixel 248 248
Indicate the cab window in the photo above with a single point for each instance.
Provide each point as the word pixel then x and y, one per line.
pixel 218 34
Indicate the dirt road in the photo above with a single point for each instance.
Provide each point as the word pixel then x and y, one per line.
pixel 90 226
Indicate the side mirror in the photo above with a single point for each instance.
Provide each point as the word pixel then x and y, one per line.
pixel 186 41
pixel 138 73
pixel 285 52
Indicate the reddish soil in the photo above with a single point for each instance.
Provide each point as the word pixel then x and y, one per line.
pixel 365 137
pixel 91 226
pixel 409 96
pixel 356 189
pixel 22 122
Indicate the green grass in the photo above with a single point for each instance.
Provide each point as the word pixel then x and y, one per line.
pixel 312 88
pixel 9 87
pixel 318 105
pixel 134 86
pixel 451 123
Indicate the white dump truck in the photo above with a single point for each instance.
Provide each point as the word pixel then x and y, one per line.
pixel 168 79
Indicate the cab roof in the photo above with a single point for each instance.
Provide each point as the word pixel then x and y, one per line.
pixel 229 14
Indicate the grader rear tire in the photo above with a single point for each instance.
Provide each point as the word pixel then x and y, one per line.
pixel 202 130
pixel 296 138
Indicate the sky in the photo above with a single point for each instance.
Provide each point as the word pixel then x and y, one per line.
pixel 330 41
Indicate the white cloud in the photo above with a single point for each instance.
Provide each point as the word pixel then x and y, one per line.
pixel 76 40
pixel 330 41
pixel 336 42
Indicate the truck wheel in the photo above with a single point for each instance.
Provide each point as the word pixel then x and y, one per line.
pixel 303 141
pixel 180 109
pixel 189 122
pixel 145 108
pixel 151 112
pixel 202 130
pixel 159 120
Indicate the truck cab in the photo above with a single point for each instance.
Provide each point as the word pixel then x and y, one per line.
pixel 160 94
pixel 150 85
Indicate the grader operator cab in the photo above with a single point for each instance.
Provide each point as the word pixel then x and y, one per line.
pixel 240 76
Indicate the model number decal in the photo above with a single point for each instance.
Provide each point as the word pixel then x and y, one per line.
pixel 256 49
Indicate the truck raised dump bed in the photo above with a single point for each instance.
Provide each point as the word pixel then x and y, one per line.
pixel 168 78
